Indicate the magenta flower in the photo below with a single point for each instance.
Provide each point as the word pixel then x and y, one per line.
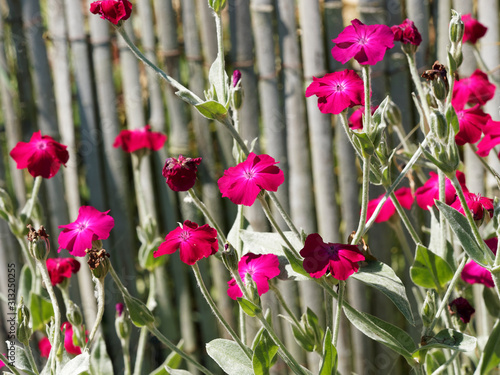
pixel 41 155
pixel 112 10
pixel 134 140
pixel 61 269
pixel 69 344
pixel 337 91
pixel 491 138
pixel 180 173
pixel 44 347
pixel 194 242
pixel 475 89
pixel 90 225
pixel 356 119
pixel 261 267
pixel 473 273
pixel 404 197
pixel 119 308
pixel 243 182
pixel 340 259
pixel 366 43
pixel 471 121
pixel 477 205
pixel 236 77
pixel 473 29
pixel 426 194
pixel 407 33
pixel 462 308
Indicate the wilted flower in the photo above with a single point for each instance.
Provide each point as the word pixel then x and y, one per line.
pixel 261 267
pixel 474 30
pixel 404 197
pixel 407 33
pixel 112 10
pixel 61 269
pixel 138 139
pixel 180 173
pixel 462 308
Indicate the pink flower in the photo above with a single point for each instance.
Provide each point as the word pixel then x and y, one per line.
pixel 341 260
pixel 366 43
pixel 41 155
pixel 133 140
pixel 261 268
pixel 475 89
pixel 473 30
pixel 491 138
pixel 356 119
pixel 236 77
pixel 243 182
pixel 407 33
pixel 337 91
pixel 180 173
pixel 462 308
pixel 69 344
pixel 119 308
pixel 473 273
pixel 44 347
pixel 91 225
pixel 193 242
pixel 404 197
pixel 477 204
pixel 426 194
pixel 61 269
pixel 471 121
pixel 112 10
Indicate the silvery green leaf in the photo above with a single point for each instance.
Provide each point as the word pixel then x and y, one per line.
pixel 230 357
pixel 212 110
pixel 21 360
pixel 221 83
pixel 490 358
pixel 78 365
pixel 450 339
pixel 100 363
pixel 430 270
pixel 329 357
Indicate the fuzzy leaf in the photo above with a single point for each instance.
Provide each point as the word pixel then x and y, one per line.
pixel 25 284
pixel 188 97
pixel 430 270
pixel 78 365
pixel 172 371
pixel 219 82
pixel 490 358
pixel 230 357
pixel 451 339
pixel 329 360
pixel 382 277
pixel 264 355
pixel 212 110
pixel 433 359
pixel 41 311
pixel 21 360
pixel 491 302
pixel 248 307
pixel 100 363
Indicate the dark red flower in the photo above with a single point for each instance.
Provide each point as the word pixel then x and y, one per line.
pixel 471 121
pixel 61 269
pixel 365 43
pixel 112 10
pixel 44 347
pixel 475 89
pixel 473 29
pixel 426 194
pixel 180 173
pixel 134 140
pixel 194 242
pixel 243 182
pixel 407 33
pixel 491 138
pixel 473 273
pixel 337 91
pixel 477 205
pixel 404 197
pixel 462 308
pixel 340 259
pixel 261 267
pixel 41 155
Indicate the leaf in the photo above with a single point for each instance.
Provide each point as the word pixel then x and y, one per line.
pixel 452 118
pixel 220 82
pixel 212 110
pixel 312 324
pixel 490 358
pixel 25 283
pixel 433 360
pixel 491 302
pixel 377 329
pixel 78 365
pixel 188 97
pixel 100 363
pixel 430 270
pixel 230 357
pixel 21 360
pixel 173 361
pixel 41 311
pixel 463 231
pixel 295 264
pixel 305 341
pixel 382 277
pixel 329 360
pixel 365 144
pixel 450 339
pixel 264 355
pixel 248 307
pixel 172 371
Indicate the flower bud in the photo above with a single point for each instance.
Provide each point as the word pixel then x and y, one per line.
pixel 139 312
pixel 251 288
pixel 236 90
pixel 96 245
pixel 74 315
pixel 461 311
pixel 122 323
pixel 39 246
pixel 392 113
pixel 457 27
pixel 24 330
pixel 217 5
pixel 230 257
pixel 429 308
pixel 439 88
pixel 102 269
pixel 439 125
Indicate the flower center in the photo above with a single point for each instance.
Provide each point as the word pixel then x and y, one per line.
pixel 339 87
pixel 249 174
pixel 41 145
pixel 184 235
pixel 82 226
pixel 363 40
pixel 333 252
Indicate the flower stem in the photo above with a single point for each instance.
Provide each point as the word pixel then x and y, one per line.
pixel 444 300
pixel 364 200
pixel 28 210
pixel 204 210
pixel 284 214
pixel 220 56
pixel 141 347
pixel 406 220
pixel 367 91
pixel 31 360
pixel 31 262
pixel 442 220
pixel 445 365
pixel 141 199
pixel 418 84
pixel 216 312
pixel 9 366
pixel 283 303
pixel 99 283
pixel 126 357
pixel 174 348
pixel 57 312
pixel 338 313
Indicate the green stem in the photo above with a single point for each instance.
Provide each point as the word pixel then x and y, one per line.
pixel 141 199
pixel 338 313
pixel 442 220
pixel 57 312
pixel 367 91
pixel 141 347
pixel 406 220
pixel 216 312
pixel 364 201
pixel 226 121
pixel 99 283
pixel 28 209
pixel 7 363
pixel 418 84
pixel 284 214
pixel 204 210
pixel 174 348
pixel 444 300
pixel 30 260
pixel 283 303
pixel 220 56
pixel 31 360
pixel 445 365
pixel 398 229
pixel 126 357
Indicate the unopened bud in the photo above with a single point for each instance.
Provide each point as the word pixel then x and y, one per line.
pixel 96 245
pixel 456 27
pixel 74 315
pixel 139 312
pixel 122 322
pixel 438 88
pixel 251 288
pixel 39 246
pixel 429 308
pixel 24 330
pixel 217 5
pixel 230 258
pixel 439 125
pixel 392 113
